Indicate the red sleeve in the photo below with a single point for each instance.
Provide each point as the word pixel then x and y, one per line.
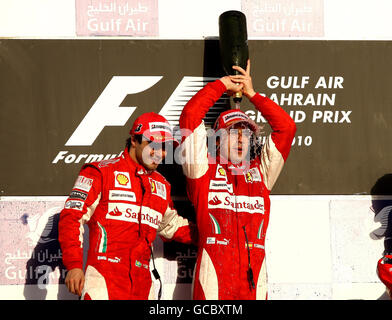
pixel 187 234
pixel 78 209
pixel 384 268
pixel 197 107
pixel 282 124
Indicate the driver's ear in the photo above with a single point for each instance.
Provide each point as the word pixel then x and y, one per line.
pixel 133 140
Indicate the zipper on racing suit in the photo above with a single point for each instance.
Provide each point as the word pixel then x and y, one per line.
pixel 155 272
pixel 249 271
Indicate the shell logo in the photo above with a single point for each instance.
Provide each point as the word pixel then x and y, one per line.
pixel 122 179
pixel 222 171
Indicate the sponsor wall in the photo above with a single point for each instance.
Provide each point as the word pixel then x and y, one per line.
pixel 124 17
pixel 323 247
pixel 85 94
pixel 300 19
pixel 69 102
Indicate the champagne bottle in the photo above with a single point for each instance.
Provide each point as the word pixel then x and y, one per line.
pixel 233 44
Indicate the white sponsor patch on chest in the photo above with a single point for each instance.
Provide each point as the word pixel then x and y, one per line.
pixel 220 172
pixel 120 195
pixel 122 179
pixel 158 188
pixel 221 185
pixel 226 201
pixel 151 217
pixel 123 212
pixel 253 175
pixel 130 213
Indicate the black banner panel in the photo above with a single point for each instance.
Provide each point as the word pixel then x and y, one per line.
pixel 67 102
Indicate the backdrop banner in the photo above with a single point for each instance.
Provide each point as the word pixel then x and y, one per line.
pixel 67 102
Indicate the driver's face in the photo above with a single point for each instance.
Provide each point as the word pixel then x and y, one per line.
pixel 150 154
pixel 235 143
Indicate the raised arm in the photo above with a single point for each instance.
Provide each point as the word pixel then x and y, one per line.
pixel 277 147
pixel 195 110
pixel 194 141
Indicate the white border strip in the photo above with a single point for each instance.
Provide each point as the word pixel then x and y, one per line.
pixel 33 198
pixel 183 198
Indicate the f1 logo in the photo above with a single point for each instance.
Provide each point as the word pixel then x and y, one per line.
pixel 106 111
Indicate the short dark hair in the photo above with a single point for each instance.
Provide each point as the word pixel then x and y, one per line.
pixel 128 142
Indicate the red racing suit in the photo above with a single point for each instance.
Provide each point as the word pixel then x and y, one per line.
pixel 232 204
pixel 384 271
pixel 125 207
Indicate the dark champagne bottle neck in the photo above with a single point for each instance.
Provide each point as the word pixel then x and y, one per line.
pixel 233 41
pixel 233 44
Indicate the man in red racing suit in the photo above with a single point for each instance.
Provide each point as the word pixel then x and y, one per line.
pixel 125 203
pixel 232 201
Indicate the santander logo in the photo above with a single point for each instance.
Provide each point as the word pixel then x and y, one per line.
pixel 215 201
pixel 116 212
pixel 236 203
